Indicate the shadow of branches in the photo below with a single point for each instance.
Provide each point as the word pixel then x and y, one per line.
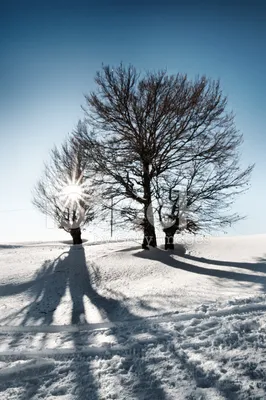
pixel 70 271
pixel 179 260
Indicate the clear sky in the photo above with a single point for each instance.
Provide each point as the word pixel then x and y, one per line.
pixel 50 51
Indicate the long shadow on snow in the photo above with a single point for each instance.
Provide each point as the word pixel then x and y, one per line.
pixel 205 379
pixel 201 378
pixel 9 246
pixel 259 266
pixel 72 271
pixel 80 285
pixel 47 290
pixel 111 308
pixel 166 257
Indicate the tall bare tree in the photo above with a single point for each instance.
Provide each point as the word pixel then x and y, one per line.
pixel 63 192
pixel 146 125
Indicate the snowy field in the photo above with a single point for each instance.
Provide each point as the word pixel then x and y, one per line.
pixel 110 321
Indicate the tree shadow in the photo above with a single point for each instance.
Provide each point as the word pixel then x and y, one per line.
pixel 80 285
pixel 70 242
pixel 259 266
pixel 71 271
pixel 46 290
pixel 182 263
pixel 127 249
pixel 9 246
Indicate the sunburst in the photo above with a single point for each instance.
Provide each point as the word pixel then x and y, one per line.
pixel 73 192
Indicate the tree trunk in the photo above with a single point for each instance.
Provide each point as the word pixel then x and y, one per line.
pixel 148 226
pixel 76 235
pixel 169 238
pixel 149 238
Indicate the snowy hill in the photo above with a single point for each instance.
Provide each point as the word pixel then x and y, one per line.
pixel 110 321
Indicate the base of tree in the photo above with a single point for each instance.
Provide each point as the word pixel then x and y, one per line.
pixel 149 241
pixel 76 235
pixel 169 240
pixel 169 246
pixel 144 247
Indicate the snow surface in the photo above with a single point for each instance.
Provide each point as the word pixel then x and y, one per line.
pixel 111 321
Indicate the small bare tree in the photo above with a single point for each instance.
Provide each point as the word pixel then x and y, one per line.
pixel 199 196
pixel 63 193
pixel 145 126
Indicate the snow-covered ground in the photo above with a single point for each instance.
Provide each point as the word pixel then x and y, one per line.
pixel 110 321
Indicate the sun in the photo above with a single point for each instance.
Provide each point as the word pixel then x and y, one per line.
pixel 72 192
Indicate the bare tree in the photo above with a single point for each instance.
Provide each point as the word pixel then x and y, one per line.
pixel 64 193
pixel 199 196
pixel 147 125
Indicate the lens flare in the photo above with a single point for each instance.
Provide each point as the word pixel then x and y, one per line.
pixel 72 192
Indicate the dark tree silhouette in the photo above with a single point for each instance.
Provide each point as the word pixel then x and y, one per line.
pixel 148 126
pixel 199 197
pixel 64 193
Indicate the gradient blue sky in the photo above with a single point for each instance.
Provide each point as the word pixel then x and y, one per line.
pixel 50 52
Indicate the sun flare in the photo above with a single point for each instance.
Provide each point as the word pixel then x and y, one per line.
pixel 73 191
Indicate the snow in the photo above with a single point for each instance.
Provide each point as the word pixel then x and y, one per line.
pixel 110 321
pixel 20 368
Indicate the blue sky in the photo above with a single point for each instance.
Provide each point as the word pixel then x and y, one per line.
pixel 50 52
